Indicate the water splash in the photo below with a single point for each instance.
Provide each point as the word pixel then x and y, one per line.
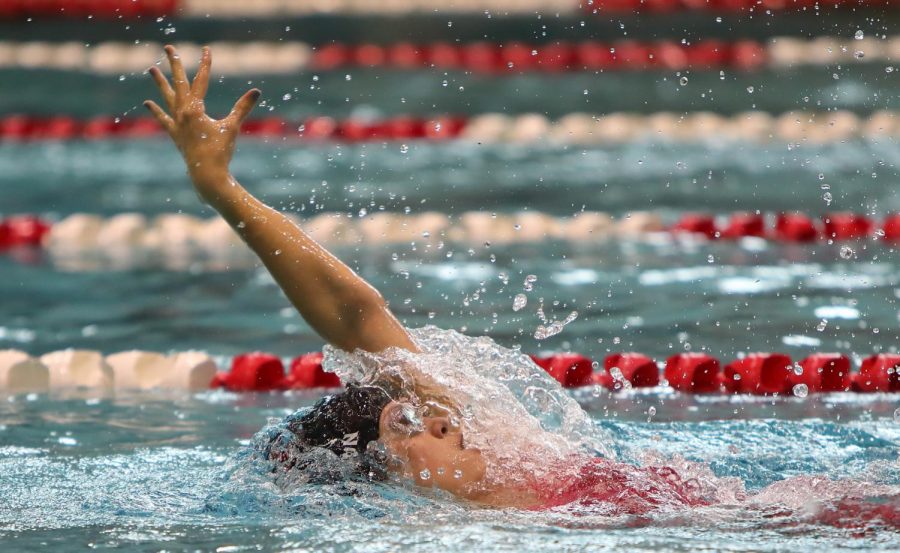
pixel 520 418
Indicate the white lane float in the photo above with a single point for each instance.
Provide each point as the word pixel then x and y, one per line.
pixel 189 370
pixel 74 368
pixel 138 369
pixel 21 373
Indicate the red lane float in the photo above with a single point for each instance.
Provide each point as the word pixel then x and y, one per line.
pixel 252 372
pixel 306 372
pixel 696 373
pixel 822 372
pixel 878 373
pixel 639 370
pixel 847 226
pixel 22 230
pixel 790 227
pixel 570 370
pixel 758 373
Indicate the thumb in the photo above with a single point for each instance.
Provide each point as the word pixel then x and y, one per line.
pixel 244 105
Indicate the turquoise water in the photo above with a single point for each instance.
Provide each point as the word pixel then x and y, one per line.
pixel 158 471
pixel 155 472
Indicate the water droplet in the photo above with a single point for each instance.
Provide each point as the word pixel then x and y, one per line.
pixel 277 252
pixel 457 474
pixel 529 283
pixel 736 377
pixel 859 54
pixel 286 97
pixel 750 89
pixel 651 411
pixel 800 390
pixel 404 148
pixel 520 301
pixel 897 415
pixel 859 35
pixel 710 259
pixel 822 325
pixel 827 197
pixel 348 77
pixel 425 474
pixel 683 81
pixel 889 69
pixel 847 252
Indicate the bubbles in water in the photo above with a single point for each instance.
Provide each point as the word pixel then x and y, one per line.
pixel 827 197
pixel 425 474
pixel 529 283
pixel 457 474
pixel 683 81
pixel 822 325
pixel 287 97
pixel 897 415
pixel 859 54
pixel 859 35
pixel 800 390
pixel 404 148
pixel 520 301
pixel 750 89
pixel 847 252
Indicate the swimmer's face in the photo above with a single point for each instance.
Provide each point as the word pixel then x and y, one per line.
pixel 431 450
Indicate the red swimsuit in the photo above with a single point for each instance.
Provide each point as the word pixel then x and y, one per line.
pixel 615 488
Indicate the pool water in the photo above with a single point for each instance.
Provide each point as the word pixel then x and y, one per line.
pixel 162 472
pixel 166 471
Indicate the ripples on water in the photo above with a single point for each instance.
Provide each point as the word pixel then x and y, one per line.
pixel 156 470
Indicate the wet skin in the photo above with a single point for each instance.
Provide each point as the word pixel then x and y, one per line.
pixel 431 451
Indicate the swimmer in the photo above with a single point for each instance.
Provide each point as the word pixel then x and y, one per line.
pixel 411 431
pixel 345 310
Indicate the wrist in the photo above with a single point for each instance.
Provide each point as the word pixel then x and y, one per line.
pixel 209 180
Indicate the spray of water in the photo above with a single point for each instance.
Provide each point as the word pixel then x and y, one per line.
pixel 519 417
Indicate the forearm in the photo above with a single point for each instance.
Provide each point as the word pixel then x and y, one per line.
pixel 342 307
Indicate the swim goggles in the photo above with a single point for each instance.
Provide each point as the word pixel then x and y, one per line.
pixel 405 420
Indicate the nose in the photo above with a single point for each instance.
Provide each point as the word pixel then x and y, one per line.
pixel 439 427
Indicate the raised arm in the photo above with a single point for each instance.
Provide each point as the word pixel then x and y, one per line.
pixel 342 307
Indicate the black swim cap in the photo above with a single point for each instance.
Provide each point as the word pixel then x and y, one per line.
pixel 343 423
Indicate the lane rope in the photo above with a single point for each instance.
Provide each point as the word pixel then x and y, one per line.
pixel 143 9
pixel 574 128
pixel 237 58
pixel 84 233
pixel 764 373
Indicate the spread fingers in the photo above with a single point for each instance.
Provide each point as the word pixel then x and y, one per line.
pixel 164 87
pixel 160 115
pixel 201 80
pixel 179 77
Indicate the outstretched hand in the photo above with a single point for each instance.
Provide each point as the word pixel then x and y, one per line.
pixel 206 144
